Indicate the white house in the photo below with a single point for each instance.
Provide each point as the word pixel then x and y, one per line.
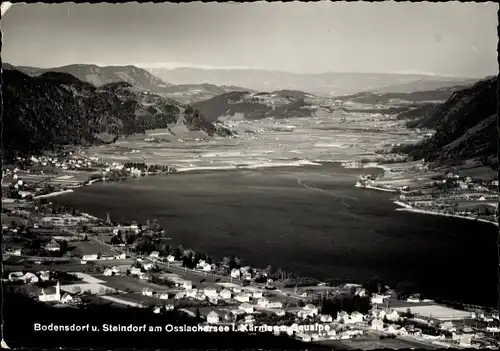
pixel 191 293
pixel 44 275
pixel 92 257
pixel 30 278
pixel 246 276
pixel 108 272
pixel 144 276
pixel 257 294
pixel 465 340
pixel 53 246
pixel 213 317
pixel 236 289
pixel 235 273
pixel 310 309
pixel 356 317
pixel 343 317
pixel 377 324
pixel 448 326
pixel 246 307
pixel 225 294
pixel 170 258
pixel 326 318
pixel 180 295
pixel 157 309
pixel 187 285
pixel 280 313
pixel 263 302
pixel 377 299
pixel 121 256
pixel 242 297
pixel 393 328
pixel 275 304
pixel 210 292
pixel 403 332
pixel 169 307
pixel 66 298
pixel 16 252
pixel 163 296
pixel 135 271
pixel 147 266
pixel 147 292
pixel 200 296
pixel 393 316
pixel 154 254
pixel 48 295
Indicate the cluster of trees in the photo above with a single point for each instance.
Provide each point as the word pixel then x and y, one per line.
pixel 348 303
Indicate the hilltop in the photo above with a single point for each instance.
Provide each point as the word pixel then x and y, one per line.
pixel 278 104
pixel 192 93
pixel 55 109
pixel 99 76
pixel 466 127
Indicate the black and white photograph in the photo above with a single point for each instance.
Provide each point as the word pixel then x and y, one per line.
pixel 261 175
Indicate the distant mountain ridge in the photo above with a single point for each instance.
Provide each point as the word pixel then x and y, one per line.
pixel 278 104
pixel 99 76
pixel 329 84
pixel 466 127
pixel 55 108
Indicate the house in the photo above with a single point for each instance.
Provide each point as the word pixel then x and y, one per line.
pixel 121 256
pixel 163 296
pixel 326 318
pixel 170 258
pixel 157 309
pixel 16 252
pixel 377 324
pixel 448 326
pixel 225 294
pixel 147 266
pixel 169 307
pixel 50 294
pixel 144 276
pixel 403 332
pixel 356 317
pixel 92 257
pixel 257 294
pixel 310 309
pixel 360 292
pixel 53 246
pixel 207 268
pixel 66 298
pixel 236 289
pixel 210 292
pixel 180 295
pixel 213 300
pixel 30 278
pixel 393 328
pixel 187 285
pixel 377 299
pixel 191 293
pixel 154 254
pixel 108 272
pixel 263 302
pixel 235 273
pixel 280 313
pixel 249 319
pixel 393 316
pixel 246 307
pixel 242 297
pixel 213 317
pixel 135 271
pixel 465 340
pixel 44 275
pixel 275 304
pixel 147 292
pixel 200 296
pixel 343 317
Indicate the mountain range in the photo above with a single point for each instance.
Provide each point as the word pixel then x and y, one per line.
pixel 277 104
pixel 329 84
pixel 466 127
pixel 54 109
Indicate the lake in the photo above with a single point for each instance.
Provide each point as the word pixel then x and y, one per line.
pixel 310 220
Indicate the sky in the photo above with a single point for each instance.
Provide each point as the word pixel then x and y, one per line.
pixel 449 38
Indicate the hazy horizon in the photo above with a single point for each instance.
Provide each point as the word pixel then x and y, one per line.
pixel 300 38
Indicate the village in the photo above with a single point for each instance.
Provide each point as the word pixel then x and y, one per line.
pixel 68 259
